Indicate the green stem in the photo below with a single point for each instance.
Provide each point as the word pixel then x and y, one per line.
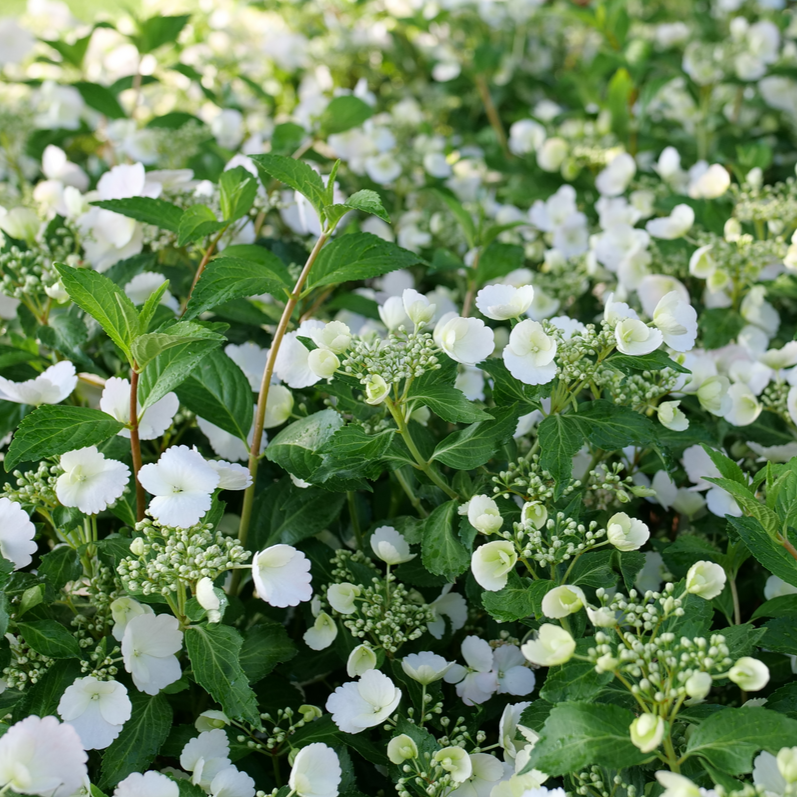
pixel 135 445
pixel 262 399
pixel 407 487
pixel 423 705
pixel 202 264
pixel 672 758
pixel 423 465
pixel 355 519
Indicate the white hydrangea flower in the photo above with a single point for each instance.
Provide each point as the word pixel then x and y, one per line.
pixel 465 340
pixel 677 321
pixel 614 179
pixel 96 709
pixel 563 601
pixel 322 633
pixel 477 682
pixel 281 574
pixel 492 563
pixel 451 605
pixel 42 756
pixel 511 671
pixel 626 533
pixel 205 756
pixel 390 546
pixel 361 659
pixel 530 353
pixel 50 387
pixel 706 579
pixel 16 534
pixel 425 667
pixel 484 515
pixel 182 483
pixel 636 338
pixel 231 782
pixel 553 645
pixel 123 610
pixel 711 183
pixel 316 771
pixel 502 302
pixel 676 225
pixel 148 784
pixel 364 703
pixel 148 647
pixel 90 482
pixel 152 423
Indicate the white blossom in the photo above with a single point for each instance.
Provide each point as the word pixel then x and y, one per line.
pixel 316 771
pixel 16 534
pixel 152 423
pixel 52 386
pixel 364 703
pixel 530 353
pixel 96 709
pixel 466 340
pixel 148 647
pixel 282 576
pixel 90 482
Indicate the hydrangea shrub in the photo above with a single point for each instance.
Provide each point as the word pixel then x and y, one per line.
pixel 399 397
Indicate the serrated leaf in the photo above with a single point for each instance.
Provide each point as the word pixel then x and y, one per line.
pixel 296 175
pixel 142 737
pixel 60 566
pixel 442 552
pixel 613 427
pixel 358 256
pixel 100 98
pixel 445 401
pixel 475 444
pixel 730 738
pixel 237 189
pixel 560 440
pixel 575 680
pixel 366 201
pixel 352 453
pixel 147 347
pixel 520 598
pixel 218 391
pixel 214 652
pixel 50 639
pixel 54 429
pixel 497 260
pixel 655 361
pixel 159 30
pixel 265 646
pixel 577 735
pixel 228 278
pixel 296 448
pixel 343 113
pixel 462 216
pixel 285 513
pixel 173 366
pixel 104 301
pixel 197 222
pixel 157 212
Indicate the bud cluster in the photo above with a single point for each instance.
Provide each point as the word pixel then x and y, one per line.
pixel 36 488
pixel 163 558
pixel 385 610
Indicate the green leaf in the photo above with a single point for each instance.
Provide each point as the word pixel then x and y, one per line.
pixel 296 175
pixel 72 53
pixel 442 552
pixel 173 366
pixel 729 739
pixel 238 189
pixel 445 401
pixel 142 737
pixel 497 260
pixel 54 429
pixel 60 566
pixel 366 201
pixel 781 635
pixel 103 300
pixel 228 278
pixel 718 327
pixel 655 361
pixel 296 447
pixel 358 256
pixel 42 699
pixel 147 347
pixel 475 444
pixel 577 735
pixel 520 598
pixel 620 90
pixel 101 99
pixel 560 440
pixel 157 212
pixel 214 653
pixel 150 306
pixel 218 391
pixel 613 427
pixel 352 453
pixel 197 222
pixel 159 30
pixel 462 216
pixel 593 569
pixel 343 113
pixel 50 639
pixel 727 467
pixel 288 514
pixel 769 553
pixel 265 646
pixel 575 680
pixel 507 389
